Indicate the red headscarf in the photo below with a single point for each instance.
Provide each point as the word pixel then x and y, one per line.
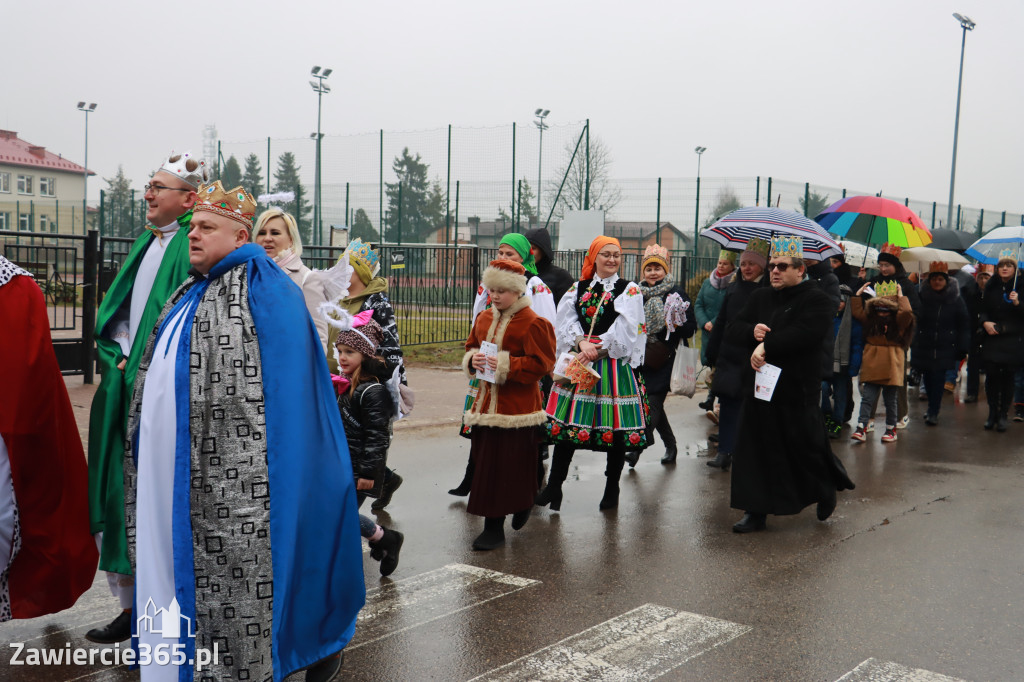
pixel 595 247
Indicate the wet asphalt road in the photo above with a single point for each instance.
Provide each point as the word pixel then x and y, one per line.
pixel 922 566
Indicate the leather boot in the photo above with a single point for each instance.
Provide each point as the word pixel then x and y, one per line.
pixel 493 536
pixel 993 416
pixel 612 472
pixel 721 461
pixel 118 630
pixel 467 481
pixel 1002 422
pixel 670 454
pixel 552 493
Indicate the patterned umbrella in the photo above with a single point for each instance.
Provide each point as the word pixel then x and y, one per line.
pixel 733 231
pixel 874 220
pixel 860 255
pixel 997 240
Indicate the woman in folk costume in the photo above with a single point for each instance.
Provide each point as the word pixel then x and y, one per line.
pixel 669 320
pixel 277 232
pixel 47 554
pixel 601 319
pixel 506 412
pixel 513 247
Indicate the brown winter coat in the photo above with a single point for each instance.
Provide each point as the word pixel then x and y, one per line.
pixel 884 355
pixel 526 352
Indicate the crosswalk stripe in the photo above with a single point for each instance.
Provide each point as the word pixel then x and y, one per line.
pixel 430 596
pixel 873 670
pixel 642 644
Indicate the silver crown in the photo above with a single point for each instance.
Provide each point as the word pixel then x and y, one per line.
pixel 190 169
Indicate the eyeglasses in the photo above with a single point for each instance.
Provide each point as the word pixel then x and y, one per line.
pixel 781 267
pixel 156 188
pixel 613 256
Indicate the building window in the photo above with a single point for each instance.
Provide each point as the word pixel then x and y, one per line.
pixel 25 222
pixel 47 187
pixel 5 221
pixel 44 224
pixel 5 183
pixel 24 184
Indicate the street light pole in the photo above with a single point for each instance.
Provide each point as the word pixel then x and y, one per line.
pixel 85 174
pixel 320 88
pixel 541 114
pixel 696 216
pixel 967 25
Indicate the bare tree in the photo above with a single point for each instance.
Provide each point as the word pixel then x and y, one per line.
pixel 603 191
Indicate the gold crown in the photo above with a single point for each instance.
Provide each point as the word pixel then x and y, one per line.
pixel 759 246
pixel 787 247
pixel 891 249
pixel 885 289
pixel 938 266
pixel 236 204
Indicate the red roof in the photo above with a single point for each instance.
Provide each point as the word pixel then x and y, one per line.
pixel 18 152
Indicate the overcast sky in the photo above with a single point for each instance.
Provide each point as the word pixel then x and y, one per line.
pixel 855 94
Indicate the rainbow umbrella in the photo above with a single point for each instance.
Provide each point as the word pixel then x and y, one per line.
pixel 874 220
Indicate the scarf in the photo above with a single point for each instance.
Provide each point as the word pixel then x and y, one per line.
pixel 522 246
pixel 589 263
pixel 654 304
pixel 719 281
pixel 286 257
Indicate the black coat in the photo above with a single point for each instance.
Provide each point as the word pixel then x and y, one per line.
pixel 783 461
pixel 657 378
pixel 729 359
pixel 829 283
pixel 557 279
pixel 366 415
pixel 943 330
pixel 1007 347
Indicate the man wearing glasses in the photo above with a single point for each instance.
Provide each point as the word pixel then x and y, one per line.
pixel 783 461
pixel 156 265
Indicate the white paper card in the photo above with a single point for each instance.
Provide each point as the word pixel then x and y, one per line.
pixel 490 350
pixel 870 292
pixel 765 380
pixel 563 362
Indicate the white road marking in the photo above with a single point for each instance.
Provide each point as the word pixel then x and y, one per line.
pixel 641 644
pixel 873 670
pixel 428 597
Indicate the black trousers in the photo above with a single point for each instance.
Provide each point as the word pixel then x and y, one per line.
pixel 999 387
pixel 657 419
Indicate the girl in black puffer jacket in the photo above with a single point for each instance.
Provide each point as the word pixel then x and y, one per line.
pixel 367 409
pixel 943 336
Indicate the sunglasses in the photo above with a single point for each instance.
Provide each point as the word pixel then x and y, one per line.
pixel 781 267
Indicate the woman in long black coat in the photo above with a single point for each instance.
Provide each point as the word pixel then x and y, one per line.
pixel 943 336
pixel 656 285
pixel 1002 319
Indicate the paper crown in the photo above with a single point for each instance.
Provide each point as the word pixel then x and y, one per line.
pixel 759 246
pixel 655 253
pixel 891 249
pixel 505 274
pixel 984 269
pixel 787 247
pixel 883 289
pixel 236 204
pixel 938 266
pixel 189 169
pixel 727 255
pixel 1008 253
pixel 360 250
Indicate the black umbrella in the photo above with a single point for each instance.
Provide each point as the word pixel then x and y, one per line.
pixel 952 240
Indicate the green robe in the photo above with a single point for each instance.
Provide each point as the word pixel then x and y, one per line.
pixel 107 421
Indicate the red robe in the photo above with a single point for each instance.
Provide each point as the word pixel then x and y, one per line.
pixel 57 559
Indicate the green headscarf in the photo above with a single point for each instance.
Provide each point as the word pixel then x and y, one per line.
pixel 522 246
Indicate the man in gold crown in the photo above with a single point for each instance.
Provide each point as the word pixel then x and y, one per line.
pixel 782 461
pixel 156 265
pixel 240 505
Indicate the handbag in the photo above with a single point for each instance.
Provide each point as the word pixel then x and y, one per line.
pixel 684 371
pixel 656 354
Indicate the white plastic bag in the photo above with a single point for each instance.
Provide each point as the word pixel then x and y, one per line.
pixel 684 371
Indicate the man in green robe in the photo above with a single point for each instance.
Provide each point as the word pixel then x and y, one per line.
pixel 156 265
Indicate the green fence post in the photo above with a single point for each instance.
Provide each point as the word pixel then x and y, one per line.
pixel 448 193
pixel 348 220
pixel 456 211
pixel 56 211
pixel 1003 221
pixel 906 201
pixel 513 169
pixel 981 222
pixel 696 219
pixel 807 197
pixel 757 192
pixel 958 216
pixel 103 196
pixel 657 218
pixel 89 277
pixel 380 188
pixel 933 214
pixel 586 193
pixel 769 191
pixel 517 214
pixel 399 212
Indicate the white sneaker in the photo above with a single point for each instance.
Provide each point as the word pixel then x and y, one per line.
pixel 902 424
pixel 870 427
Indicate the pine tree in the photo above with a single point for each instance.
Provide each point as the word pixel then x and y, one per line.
pixel 117 206
pixel 231 174
pixel 362 228
pixel 422 206
pixel 286 179
pixel 252 181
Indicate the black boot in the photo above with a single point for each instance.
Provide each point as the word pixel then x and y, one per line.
pixel 721 461
pixel 467 481
pixel 493 535
pixel 993 416
pixel 552 493
pixel 391 484
pixel 520 518
pixel 386 551
pixel 119 630
pixel 751 522
pixel 670 454
pixel 326 669
pixel 612 472
pixel 1002 422
pixel 633 456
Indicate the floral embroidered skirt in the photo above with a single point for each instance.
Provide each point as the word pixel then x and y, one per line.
pixel 613 412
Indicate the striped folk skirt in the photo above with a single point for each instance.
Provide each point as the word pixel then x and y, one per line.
pixel 474 391
pixel 612 413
